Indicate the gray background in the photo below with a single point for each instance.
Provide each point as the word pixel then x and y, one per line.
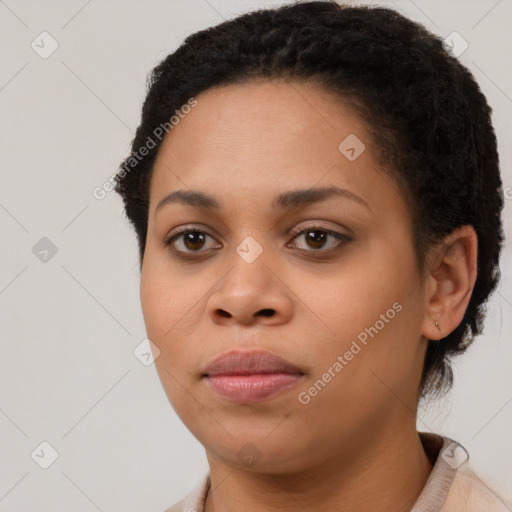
pixel 71 321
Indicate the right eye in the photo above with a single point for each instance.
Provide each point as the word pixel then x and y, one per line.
pixel 187 241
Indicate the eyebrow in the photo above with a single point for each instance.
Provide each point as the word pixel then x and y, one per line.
pixel 284 201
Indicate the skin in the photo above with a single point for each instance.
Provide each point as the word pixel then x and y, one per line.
pixel 354 446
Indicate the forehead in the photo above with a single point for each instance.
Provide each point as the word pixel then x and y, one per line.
pixel 259 138
pixel 263 118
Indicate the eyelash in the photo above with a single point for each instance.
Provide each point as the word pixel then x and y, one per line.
pixel 189 255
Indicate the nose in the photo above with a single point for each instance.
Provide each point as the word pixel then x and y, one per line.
pixel 250 293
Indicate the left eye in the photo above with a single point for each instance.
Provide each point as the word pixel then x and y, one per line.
pixel 317 237
pixel 191 239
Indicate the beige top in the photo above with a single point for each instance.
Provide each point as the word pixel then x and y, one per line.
pixel 451 487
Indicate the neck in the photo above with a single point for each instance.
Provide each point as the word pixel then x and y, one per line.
pixel 388 473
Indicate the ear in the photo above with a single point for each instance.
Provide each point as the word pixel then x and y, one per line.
pixel 450 282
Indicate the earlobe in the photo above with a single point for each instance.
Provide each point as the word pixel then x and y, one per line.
pixel 451 283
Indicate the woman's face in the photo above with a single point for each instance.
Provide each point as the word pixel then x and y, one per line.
pixel 326 281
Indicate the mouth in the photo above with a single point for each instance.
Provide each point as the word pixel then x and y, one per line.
pixel 248 377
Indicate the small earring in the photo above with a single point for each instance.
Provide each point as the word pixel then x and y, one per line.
pixel 437 325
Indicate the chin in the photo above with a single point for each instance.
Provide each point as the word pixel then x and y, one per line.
pixel 258 453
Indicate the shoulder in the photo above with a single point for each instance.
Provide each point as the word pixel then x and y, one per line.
pixel 453 485
pixel 194 500
pixel 469 492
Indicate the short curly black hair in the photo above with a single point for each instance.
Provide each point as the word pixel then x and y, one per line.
pixel 426 114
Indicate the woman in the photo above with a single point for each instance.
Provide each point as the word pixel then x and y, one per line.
pixel 316 195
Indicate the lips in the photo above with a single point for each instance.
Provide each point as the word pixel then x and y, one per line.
pixel 249 363
pixel 248 377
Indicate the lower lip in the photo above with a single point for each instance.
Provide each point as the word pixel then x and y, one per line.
pixel 251 388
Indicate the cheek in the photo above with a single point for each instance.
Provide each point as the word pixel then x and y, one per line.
pixel 173 302
pixel 345 302
pixel 163 291
pixel 154 297
pixel 166 310
pixel 366 312
pixel 163 300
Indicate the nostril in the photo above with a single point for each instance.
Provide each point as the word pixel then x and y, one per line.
pixel 267 312
pixel 223 313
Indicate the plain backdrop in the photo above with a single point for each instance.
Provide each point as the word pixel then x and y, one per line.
pixel 69 280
